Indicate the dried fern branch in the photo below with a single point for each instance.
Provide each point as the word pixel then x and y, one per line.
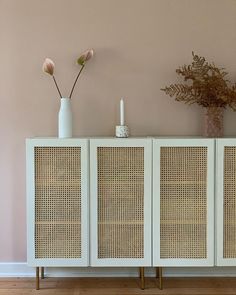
pixel 209 85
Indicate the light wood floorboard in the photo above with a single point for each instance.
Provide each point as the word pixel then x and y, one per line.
pixel 118 286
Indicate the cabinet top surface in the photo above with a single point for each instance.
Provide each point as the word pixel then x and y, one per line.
pixel 131 137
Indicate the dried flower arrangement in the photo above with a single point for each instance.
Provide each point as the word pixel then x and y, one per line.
pixel 49 66
pixel 209 87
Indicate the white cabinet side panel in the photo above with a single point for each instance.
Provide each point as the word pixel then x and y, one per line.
pixel 226 201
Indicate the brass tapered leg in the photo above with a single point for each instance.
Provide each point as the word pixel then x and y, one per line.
pixel 157 272
pixel 42 272
pixel 139 271
pixel 142 279
pixel 159 277
pixel 37 278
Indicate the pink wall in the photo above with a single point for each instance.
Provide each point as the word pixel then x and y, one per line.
pixel 138 45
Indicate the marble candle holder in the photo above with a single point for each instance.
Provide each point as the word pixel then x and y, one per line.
pixel 122 131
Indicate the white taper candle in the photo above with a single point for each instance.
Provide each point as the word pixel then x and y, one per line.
pixel 122 112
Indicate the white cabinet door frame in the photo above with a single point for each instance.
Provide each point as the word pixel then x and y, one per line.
pixel 220 202
pixel 30 167
pixel 183 142
pixel 94 145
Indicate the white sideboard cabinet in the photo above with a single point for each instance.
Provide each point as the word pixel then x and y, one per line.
pixel 120 178
pixel 183 202
pixel 57 201
pixel 131 202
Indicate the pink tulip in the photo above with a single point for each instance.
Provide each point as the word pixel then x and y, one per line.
pixel 48 66
pixel 81 61
pixel 87 55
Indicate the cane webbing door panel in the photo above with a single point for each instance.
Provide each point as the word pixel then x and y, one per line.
pixel 183 202
pixel 57 202
pixel 226 202
pixel 120 202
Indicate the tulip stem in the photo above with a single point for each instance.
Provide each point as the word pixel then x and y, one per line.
pixel 57 86
pixel 76 81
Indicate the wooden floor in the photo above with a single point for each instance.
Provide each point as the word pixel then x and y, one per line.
pixel 118 286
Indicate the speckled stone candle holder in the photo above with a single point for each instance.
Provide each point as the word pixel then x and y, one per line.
pixel 122 131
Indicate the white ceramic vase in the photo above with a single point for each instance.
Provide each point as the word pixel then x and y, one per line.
pixel 65 119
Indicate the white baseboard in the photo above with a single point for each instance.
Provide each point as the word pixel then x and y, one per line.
pixel 22 270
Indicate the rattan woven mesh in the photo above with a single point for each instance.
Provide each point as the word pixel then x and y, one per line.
pixel 183 202
pixel 120 202
pixel 57 202
pixel 229 227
